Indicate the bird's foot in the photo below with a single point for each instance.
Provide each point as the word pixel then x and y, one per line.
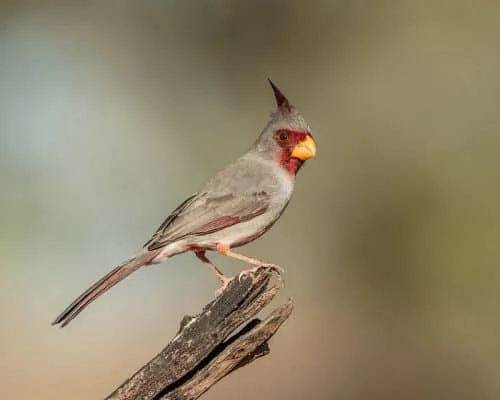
pixel 253 270
pixel 274 267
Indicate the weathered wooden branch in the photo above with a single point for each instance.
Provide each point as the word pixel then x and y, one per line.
pixel 222 338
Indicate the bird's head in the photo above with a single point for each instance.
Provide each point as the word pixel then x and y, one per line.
pixel 287 138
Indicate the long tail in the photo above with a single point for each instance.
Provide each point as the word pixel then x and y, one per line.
pixel 102 286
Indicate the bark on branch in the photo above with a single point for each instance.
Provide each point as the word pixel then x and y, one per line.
pixel 223 337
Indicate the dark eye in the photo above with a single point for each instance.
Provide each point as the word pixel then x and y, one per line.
pixel 283 135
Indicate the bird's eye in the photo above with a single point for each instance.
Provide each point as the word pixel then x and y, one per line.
pixel 283 135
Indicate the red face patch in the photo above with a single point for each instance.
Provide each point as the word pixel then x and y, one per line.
pixel 287 139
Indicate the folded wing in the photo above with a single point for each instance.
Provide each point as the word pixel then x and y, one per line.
pixel 203 213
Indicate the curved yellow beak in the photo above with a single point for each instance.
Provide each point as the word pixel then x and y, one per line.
pixel 305 149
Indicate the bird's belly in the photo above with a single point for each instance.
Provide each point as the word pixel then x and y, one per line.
pixel 238 234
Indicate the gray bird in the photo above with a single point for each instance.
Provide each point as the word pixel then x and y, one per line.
pixel 237 206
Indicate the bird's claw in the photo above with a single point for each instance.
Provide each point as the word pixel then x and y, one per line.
pixel 274 267
pixel 227 280
pixel 253 270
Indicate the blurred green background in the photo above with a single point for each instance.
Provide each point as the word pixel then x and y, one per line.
pixel 111 113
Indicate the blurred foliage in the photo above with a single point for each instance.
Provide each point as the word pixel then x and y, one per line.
pixel 112 112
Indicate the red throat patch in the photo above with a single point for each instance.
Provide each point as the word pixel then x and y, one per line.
pixel 292 165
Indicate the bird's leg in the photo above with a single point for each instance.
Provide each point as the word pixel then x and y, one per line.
pixel 225 250
pixel 223 278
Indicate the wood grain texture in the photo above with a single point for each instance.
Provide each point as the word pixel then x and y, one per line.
pixel 222 338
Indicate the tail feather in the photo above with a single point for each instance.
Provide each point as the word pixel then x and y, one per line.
pixel 100 287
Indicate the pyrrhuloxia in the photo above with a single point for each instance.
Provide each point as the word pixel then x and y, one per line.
pixel 235 207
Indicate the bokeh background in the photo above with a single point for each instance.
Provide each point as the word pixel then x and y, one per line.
pixel 112 112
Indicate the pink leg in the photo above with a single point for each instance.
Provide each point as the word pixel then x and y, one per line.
pixel 258 263
pixel 223 278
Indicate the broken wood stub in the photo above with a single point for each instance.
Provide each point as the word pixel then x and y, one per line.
pixel 225 336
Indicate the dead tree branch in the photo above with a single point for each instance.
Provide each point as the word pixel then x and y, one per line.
pixel 223 337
